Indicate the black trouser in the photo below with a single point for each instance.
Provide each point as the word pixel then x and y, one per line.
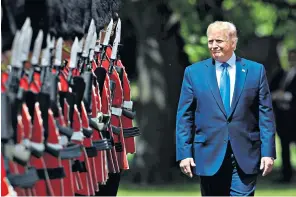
pixel 111 187
pixel 286 130
pixel 230 180
pixel 286 158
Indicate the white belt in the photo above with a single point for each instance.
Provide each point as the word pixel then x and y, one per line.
pixel 97 48
pixel 78 135
pixel 36 146
pixel 63 140
pixel 100 116
pixel 9 151
pixel 101 126
pixel 55 146
pixel 127 104
pixel 21 148
pixel 116 111
pixel 26 143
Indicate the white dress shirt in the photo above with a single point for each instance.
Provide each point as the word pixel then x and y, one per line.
pixel 231 70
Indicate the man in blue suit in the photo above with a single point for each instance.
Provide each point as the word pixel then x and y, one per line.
pixel 225 130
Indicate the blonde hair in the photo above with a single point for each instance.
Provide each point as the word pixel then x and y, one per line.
pixel 224 26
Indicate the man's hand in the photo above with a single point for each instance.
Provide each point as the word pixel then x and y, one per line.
pixel 266 165
pixel 186 165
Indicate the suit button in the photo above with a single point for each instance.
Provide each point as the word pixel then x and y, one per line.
pixel 228 121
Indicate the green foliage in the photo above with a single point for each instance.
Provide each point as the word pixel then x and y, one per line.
pixel 134 90
pixel 252 18
pixel 264 17
pixel 191 29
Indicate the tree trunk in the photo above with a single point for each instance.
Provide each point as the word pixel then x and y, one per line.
pixel 159 67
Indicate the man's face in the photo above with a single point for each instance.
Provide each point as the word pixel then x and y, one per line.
pixel 221 46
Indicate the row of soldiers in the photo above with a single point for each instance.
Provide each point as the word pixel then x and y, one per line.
pixel 66 113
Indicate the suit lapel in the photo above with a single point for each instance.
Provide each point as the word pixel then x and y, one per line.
pixel 240 78
pixel 213 85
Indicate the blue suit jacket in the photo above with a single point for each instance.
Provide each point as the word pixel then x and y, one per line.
pixel 203 129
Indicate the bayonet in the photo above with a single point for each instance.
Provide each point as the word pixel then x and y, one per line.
pixel 115 47
pixel 79 61
pixel 45 57
pixel 116 40
pixel 92 46
pixel 51 50
pixel 108 33
pixel 93 41
pixel 74 51
pixel 45 65
pixel 45 60
pixel 80 45
pixel 26 45
pixel 98 46
pixel 58 52
pixel 88 39
pixel 106 41
pixel 52 42
pixel 26 24
pixel 37 49
pixel 18 52
pixel 21 45
pixel 14 56
pixel 36 55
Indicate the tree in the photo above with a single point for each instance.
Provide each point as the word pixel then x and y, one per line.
pixel 267 24
pixel 161 38
pixel 159 65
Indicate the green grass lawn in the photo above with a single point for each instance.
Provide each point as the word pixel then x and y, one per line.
pixel 265 186
pixel 195 191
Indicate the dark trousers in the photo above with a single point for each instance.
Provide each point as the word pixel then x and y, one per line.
pixel 111 187
pixel 230 180
pixel 286 159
